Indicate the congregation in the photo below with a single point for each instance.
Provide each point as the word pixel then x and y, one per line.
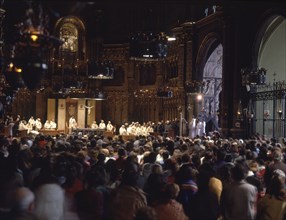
pixel 74 177
pixel 100 90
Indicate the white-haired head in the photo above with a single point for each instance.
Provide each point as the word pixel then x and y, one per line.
pixel 22 199
pixel 49 203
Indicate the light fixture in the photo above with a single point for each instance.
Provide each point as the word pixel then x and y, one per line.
pixel 13 76
pixel 30 49
pixel 171 38
pixel 280 113
pixel 199 97
pixel 239 111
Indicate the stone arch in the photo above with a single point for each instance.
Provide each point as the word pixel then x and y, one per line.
pixel 264 32
pixel 269 52
pixel 209 69
pixel 209 43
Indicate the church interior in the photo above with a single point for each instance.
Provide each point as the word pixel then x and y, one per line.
pixel 221 62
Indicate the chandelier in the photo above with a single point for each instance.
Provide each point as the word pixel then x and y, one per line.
pixel 26 61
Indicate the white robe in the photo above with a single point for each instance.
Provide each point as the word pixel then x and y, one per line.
pixel 38 125
pixel 192 128
pixel 94 126
pixel 72 123
pixel 199 129
pixel 47 125
pixel 109 127
pixel 53 125
pixel 122 131
pixel 102 125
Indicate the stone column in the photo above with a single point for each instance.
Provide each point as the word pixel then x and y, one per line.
pixel 226 113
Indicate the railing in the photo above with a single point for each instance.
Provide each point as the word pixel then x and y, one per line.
pixel 270 109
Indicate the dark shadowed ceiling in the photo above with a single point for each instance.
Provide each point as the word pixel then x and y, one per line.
pixel 114 20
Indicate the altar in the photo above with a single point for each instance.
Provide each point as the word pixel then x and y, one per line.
pixel 51 132
pixel 88 131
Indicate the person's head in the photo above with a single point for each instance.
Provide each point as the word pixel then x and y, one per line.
pixel 95 177
pixel 152 157
pixel 253 166
pixel 121 152
pixel 205 173
pixel 225 172
pixel 130 174
pixel 165 155
pixel 145 213
pixel 186 173
pixel 172 190
pixel 157 168
pixel 22 199
pixel 146 170
pixel 220 155
pixel 168 192
pixel 49 203
pixel 277 185
pixel 172 165
pixel 186 158
pixel 277 155
pixel 238 172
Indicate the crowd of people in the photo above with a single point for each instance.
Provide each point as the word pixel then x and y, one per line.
pixel 73 177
